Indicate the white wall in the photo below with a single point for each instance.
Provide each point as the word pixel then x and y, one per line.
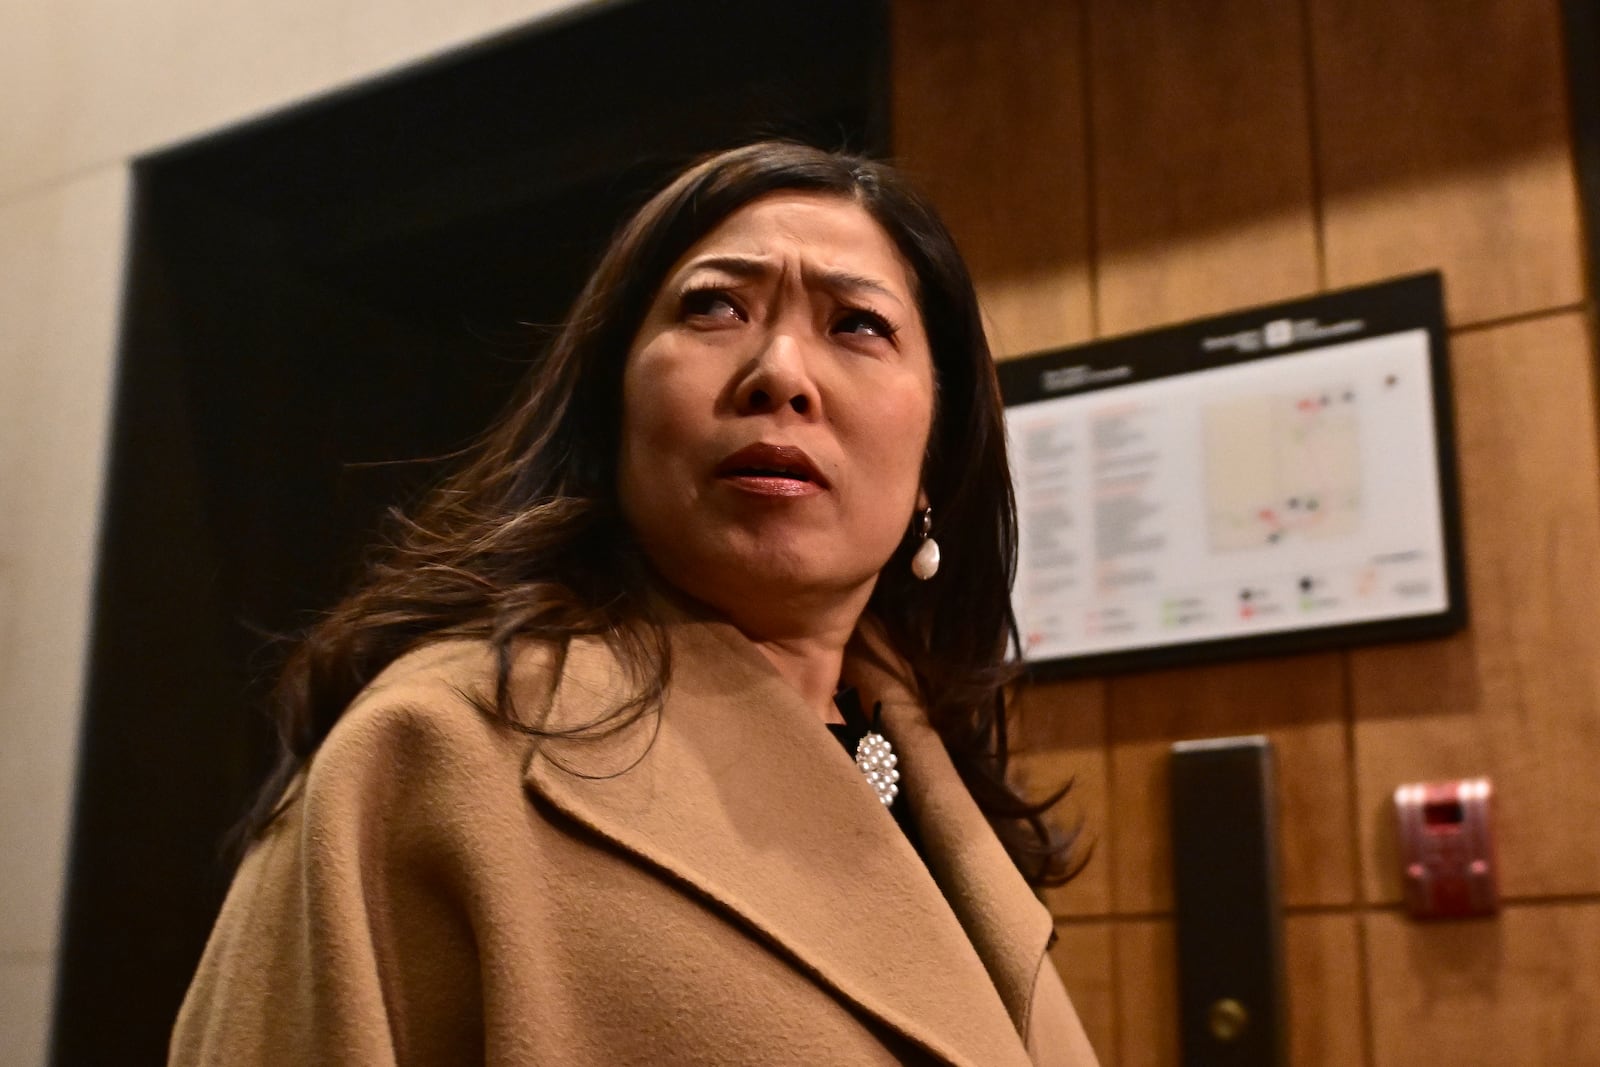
pixel 85 87
pixel 60 271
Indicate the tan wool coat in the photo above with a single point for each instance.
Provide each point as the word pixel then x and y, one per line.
pixel 716 884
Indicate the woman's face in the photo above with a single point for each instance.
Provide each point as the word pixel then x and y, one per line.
pixel 776 408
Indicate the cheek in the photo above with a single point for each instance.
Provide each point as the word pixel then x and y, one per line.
pixel 641 429
pixel 647 386
pixel 893 431
pixel 904 420
pixel 662 425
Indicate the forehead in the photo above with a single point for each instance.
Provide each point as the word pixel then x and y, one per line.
pixel 831 231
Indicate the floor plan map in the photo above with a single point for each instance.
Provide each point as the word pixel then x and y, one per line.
pixel 1283 466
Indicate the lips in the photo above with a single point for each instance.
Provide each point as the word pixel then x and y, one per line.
pixel 764 461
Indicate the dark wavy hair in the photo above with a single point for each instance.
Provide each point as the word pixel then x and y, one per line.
pixel 527 540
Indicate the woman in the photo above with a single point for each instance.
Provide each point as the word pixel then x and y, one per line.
pixel 560 782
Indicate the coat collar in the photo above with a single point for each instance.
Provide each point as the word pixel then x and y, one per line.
pixel 735 792
pixel 1008 925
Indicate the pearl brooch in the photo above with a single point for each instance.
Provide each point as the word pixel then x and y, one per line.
pixel 877 761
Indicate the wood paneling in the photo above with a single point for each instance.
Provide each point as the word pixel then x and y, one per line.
pixel 1323 963
pixel 1060 735
pixel 1202 158
pixel 1515 991
pixel 1237 155
pixel 1443 143
pixel 988 119
pixel 1083 957
pixel 1322 956
pixel 1299 702
pixel 1518 695
pixel 1147 994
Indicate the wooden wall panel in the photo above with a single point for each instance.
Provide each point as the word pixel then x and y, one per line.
pixel 1147 993
pixel 1236 154
pixel 1515 991
pixel 1299 702
pixel 1443 143
pixel 1518 695
pixel 1322 954
pixel 1202 158
pixel 988 119
pixel 1327 1024
pixel 1203 193
pixel 1060 735
pixel 1084 957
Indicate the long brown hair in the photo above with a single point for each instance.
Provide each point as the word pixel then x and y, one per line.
pixel 527 541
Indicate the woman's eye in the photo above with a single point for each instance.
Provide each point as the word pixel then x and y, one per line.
pixel 710 303
pixel 865 324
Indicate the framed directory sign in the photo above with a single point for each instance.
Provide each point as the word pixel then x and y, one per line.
pixel 1265 481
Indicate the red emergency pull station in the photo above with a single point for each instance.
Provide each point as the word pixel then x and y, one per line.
pixel 1447 848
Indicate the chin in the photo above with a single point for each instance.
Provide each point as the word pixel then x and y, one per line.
pixel 776 576
pixel 738 573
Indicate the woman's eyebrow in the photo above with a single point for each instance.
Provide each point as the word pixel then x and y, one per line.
pixel 738 266
pixel 837 281
pixel 843 281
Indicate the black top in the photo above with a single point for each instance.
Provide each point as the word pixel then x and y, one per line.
pixel 856 725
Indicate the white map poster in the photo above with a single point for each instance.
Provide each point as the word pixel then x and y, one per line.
pixel 1259 497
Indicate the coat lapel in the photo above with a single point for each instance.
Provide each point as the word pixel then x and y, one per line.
pixel 1007 924
pixel 736 792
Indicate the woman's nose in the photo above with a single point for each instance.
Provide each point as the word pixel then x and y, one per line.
pixel 778 379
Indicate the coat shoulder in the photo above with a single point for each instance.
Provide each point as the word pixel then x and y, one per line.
pixel 355 907
pixel 436 705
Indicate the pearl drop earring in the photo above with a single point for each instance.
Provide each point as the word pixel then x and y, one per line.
pixel 925 564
